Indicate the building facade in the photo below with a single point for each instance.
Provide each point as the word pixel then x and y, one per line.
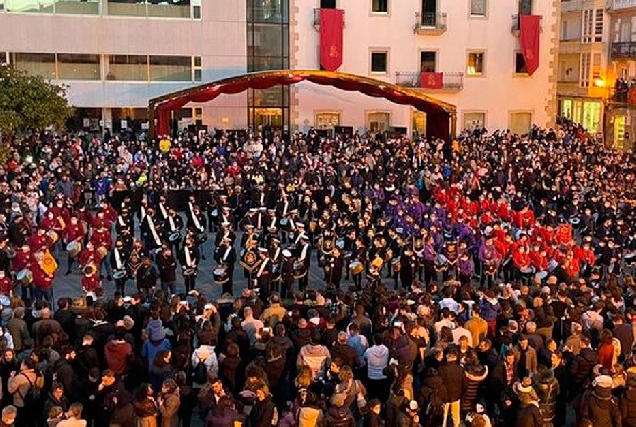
pixel 620 120
pixel 583 78
pixel 114 55
pixel 474 43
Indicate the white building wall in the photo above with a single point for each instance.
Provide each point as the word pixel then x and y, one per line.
pixel 219 38
pixel 499 93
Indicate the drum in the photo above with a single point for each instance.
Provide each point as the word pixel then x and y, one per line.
pixel 356 268
pixel 299 269
pixel 575 222
pixel 25 277
pixel 220 275
pixel 174 236
pixel 630 258
pixel 202 238
pixel 284 222
pixel 215 213
pixel 440 261
pixel 119 274
pixel 348 255
pixel 376 264
pixel 527 270
pixel 396 265
pixel 89 269
pixel 73 248
pixel 53 236
pixel 102 251
pixel 5 301
pixel 189 271
pixel 340 243
pixel 541 275
pixel 552 265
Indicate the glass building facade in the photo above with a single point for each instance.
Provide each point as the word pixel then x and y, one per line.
pixel 268 49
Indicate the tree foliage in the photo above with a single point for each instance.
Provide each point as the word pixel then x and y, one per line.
pixel 29 103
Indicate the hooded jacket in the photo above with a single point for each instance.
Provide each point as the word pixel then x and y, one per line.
pixel 117 355
pixel 474 376
pixel 313 356
pixel 377 359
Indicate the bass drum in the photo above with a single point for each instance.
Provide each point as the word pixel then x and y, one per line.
pixel 299 269
pixel 220 275
pixel 356 268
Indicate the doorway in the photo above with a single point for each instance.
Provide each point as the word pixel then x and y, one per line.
pixel 428 62
pixel 270 117
pixel 418 124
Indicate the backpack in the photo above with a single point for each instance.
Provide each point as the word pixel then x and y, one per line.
pixel 32 395
pixel 200 372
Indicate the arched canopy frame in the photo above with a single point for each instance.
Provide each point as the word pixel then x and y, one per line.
pixel 441 116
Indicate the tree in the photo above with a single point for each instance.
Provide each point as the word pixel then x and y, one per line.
pixel 29 103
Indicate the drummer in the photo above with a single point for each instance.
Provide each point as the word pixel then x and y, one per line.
pixel 225 256
pixel 40 241
pixel 6 285
pixel 102 241
pixel 75 232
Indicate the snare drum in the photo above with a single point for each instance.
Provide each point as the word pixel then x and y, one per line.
pixel 73 248
pixel 119 274
pixel 299 269
pixel 541 275
pixel 25 277
pixel 396 265
pixel 527 270
pixel 284 222
pixel 340 243
pixel 174 237
pixel 356 268
pixel 220 275
pixel 552 265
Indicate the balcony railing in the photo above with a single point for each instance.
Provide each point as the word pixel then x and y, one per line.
pixel 623 50
pixel 411 79
pixel 430 23
pixel 317 18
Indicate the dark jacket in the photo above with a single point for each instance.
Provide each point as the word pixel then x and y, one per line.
pixel 582 366
pixel 453 377
pixel 474 376
pixel 262 412
pixel 347 353
pixel 225 418
pixel 529 416
pixel 547 388
pixel 628 407
pixel 432 396
pixel 339 417
pixel 497 383
pixel 600 408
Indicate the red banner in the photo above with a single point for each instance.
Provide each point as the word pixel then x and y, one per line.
pixel 631 96
pixel 432 80
pixel 530 28
pixel 331 25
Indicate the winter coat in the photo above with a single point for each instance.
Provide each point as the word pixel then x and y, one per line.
pixel 474 376
pixel 118 355
pixel 145 413
pixel 599 407
pixel 628 407
pixel 547 389
pixel 432 395
pixel 262 413
pixel 453 377
pixel 339 417
pixel 227 418
pixel 315 357
pixel 169 408
pixel 377 359
pixel 529 416
pixel 582 366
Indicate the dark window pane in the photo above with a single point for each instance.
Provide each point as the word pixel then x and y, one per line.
pixel 328 4
pixel 128 68
pixel 40 64
pixel 378 62
pixel 520 64
pixel 171 68
pixel 78 66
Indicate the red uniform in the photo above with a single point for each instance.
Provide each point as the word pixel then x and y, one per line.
pixel 61 212
pixel 21 260
pixel 539 261
pixel 563 235
pixel 75 232
pixel 523 219
pixel 47 223
pixel 521 260
pixel 5 286
pixel 571 266
pixel 584 255
pixel 39 242
pixel 87 256
pixel 91 282
pixel 41 280
pixel 101 237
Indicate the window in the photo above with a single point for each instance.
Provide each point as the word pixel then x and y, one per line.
pixel 566 108
pixel 128 68
pixel 475 65
pixel 378 121
pixel 196 69
pixel 478 8
pixel 268 11
pixel 43 6
pixel 474 120
pixel 328 4
pixel 170 68
pixel 78 67
pixel 598 25
pixel 380 6
pixel 584 74
pixel 327 120
pixel 196 9
pixel 173 9
pixel 525 7
pixel 39 64
pixel 379 62
pixel 85 7
pixel 520 64
pixel 520 122
pixel 428 62
pixel 588 23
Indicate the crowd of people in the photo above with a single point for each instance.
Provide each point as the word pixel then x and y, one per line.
pixel 483 281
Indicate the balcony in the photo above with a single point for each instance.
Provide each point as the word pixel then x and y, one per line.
pixel 430 23
pixel 621 4
pixel 451 82
pixel 623 50
pixel 317 18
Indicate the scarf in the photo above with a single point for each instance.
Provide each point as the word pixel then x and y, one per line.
pixel 197 224
pixel 171 221
pixel 227 252
pixel 303 253
pixel 118 263
pixel 163 210
pixel 262 267
pixel 151 224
